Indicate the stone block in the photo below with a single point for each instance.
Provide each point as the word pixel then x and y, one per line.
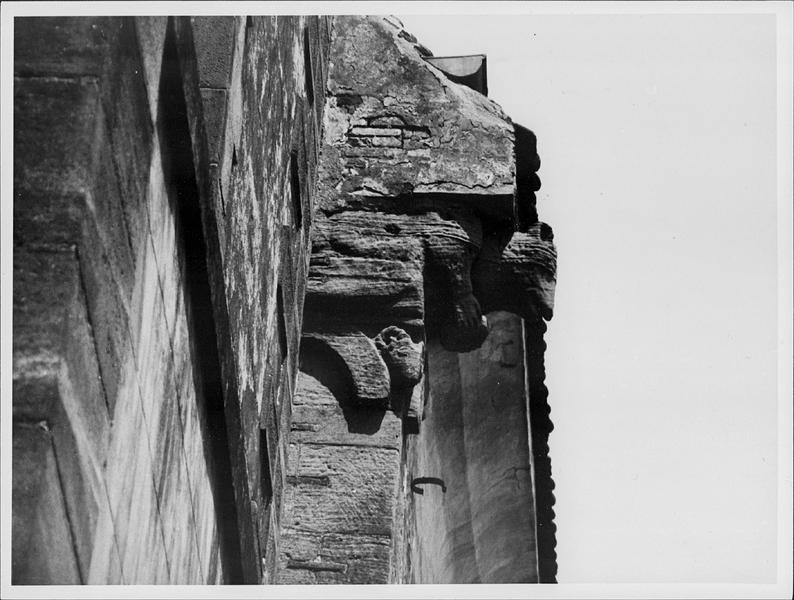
pixel 175 498
pixel 319 418
pixel 106 557
pixel 214 103
pixel 335 558
pixel 105 228
pixel 55 126
pixel 402 84
pixel 45 284
pixel 128 121
pixel 215 41
pixel 48 218
pixel 135 506
pixel 77 488
pixel 30 448
pixel 60 46
pixel 82 392
pixel 42 548
pixel 151 40
pixel 360 493
pixel 108 315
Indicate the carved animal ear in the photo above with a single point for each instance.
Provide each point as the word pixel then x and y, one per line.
pixel 368 372
pixel 527 268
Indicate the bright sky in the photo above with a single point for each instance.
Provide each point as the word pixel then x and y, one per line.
pixel 657 137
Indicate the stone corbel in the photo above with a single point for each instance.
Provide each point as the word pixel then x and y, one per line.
pixel 383 371
pixel 426 218
pixel 368 373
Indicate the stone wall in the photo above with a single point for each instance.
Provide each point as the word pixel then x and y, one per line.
pixel 425 223
pixel 261 266
pixel 474 522
pixel 265 218
pixel 162 179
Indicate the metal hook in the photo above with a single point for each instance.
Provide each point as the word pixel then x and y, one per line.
pixel 435 480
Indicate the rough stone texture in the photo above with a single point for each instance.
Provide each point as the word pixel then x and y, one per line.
pixel 88 149
pixel 475 439
pixel 527 267
pixel 180 186
pixel 154 232
pixel 40 513
pixel 426 221
pixel 364 365
pixel 400 125
pixel 341 490
pixel 409 223
pixel 263 208
pixel 403 358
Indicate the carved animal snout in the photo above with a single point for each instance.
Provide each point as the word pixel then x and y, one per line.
pixel 522 280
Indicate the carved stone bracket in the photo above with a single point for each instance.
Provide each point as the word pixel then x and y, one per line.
pixel 380 369
pixel 426 216
pixel 368 372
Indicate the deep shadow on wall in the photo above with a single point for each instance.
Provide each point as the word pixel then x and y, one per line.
pixel 161 219
pixel 176 200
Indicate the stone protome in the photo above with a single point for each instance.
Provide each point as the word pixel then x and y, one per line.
pixel 422 184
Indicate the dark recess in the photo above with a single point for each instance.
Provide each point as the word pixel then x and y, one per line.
pixel 527 180
pixel 295 188
pixel 265 476
pixel 249 25
pixel 183 195
pixel 282 326
pixel 307 67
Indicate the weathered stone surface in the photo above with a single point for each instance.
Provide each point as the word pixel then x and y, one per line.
pixel 59 46
pixel 527 267
pixel 403 205
pixel 177 194
pixel 368 372
pixel 40 518
pixel 337 558
pixel 432 127
pixel 44 283
pixel 55 125
pixel 341 473
pixel 151 33
pixel 426 222
pixel 215 38
pixel 324 411
pixel 404 359
pixel 111 149
pixel 214 104
pixel 478 527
